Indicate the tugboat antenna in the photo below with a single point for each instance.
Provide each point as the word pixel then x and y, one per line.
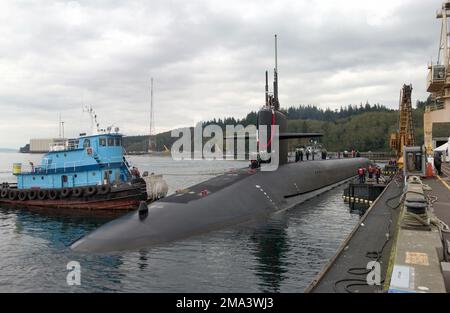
pixel 94 124
pixel 59 125
pixel 151 141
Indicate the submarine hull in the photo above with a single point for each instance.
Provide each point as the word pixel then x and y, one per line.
pixel 235 197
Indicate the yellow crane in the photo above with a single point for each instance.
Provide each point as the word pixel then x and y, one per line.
pixel 405 134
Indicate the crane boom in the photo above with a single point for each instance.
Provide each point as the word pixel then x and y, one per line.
pixel 405 135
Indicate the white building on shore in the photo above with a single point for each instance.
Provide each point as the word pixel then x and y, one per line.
pixel 42 145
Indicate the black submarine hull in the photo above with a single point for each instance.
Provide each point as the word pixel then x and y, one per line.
pixel 235 197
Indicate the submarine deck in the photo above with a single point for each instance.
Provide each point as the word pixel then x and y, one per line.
pixel 210 186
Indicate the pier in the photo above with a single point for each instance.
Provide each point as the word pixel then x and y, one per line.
pixel 408 249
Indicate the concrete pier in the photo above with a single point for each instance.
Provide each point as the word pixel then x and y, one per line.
pixel 371 240
pixel 408 259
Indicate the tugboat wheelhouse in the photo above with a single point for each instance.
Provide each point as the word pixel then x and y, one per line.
pixel 90 160
pixel 89 172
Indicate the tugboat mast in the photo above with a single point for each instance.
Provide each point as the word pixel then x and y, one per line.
pixel 94 123
pixel 151 143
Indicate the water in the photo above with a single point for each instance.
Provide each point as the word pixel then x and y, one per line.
pixel 281 254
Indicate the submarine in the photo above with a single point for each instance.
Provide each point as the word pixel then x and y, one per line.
pixel 235 197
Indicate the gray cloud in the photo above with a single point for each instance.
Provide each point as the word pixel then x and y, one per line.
pixel 207 57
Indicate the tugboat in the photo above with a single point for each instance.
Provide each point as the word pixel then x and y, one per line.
pixel 89 172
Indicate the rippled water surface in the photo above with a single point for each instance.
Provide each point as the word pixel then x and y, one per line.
pixel 283 253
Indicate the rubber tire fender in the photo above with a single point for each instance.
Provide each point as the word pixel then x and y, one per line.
pixel 32 194
pixel 53 194
pixel 77 192
pixel 4 193
pixel 90 190
pixel 23 195
pixel 12 194
pixel 65 192
pixel 42 194
pixel 103 189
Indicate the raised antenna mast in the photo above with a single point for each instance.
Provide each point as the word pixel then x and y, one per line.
pixel 267 89
pixel 276 56
pixel 275 78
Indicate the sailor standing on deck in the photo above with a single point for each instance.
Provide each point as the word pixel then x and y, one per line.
pixel 135 173
pixel 438 162
pixel 370 170
pixel 378 174
pixel 307 154
pixel 361 175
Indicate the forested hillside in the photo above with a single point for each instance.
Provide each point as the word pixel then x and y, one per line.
pixel 364 127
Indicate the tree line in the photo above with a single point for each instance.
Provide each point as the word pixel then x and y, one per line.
pixel 306 112
pixel 364 127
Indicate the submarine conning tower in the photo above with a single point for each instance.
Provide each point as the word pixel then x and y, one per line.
pixel 269 115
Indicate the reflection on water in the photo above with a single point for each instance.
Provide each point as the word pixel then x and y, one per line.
pixel 279 254
pixel 271 247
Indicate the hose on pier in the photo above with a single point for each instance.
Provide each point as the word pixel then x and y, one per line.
pixel 411 220
pixel 373 255
pixel 363 271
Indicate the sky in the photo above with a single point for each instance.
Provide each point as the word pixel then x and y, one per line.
pixel 207 59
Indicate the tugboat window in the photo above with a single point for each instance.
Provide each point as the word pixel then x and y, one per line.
pixel 110 141
pixel 86 143
pixel 117 141
pixel 102 142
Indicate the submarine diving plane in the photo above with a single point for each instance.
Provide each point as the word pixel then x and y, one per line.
pixel 228 199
